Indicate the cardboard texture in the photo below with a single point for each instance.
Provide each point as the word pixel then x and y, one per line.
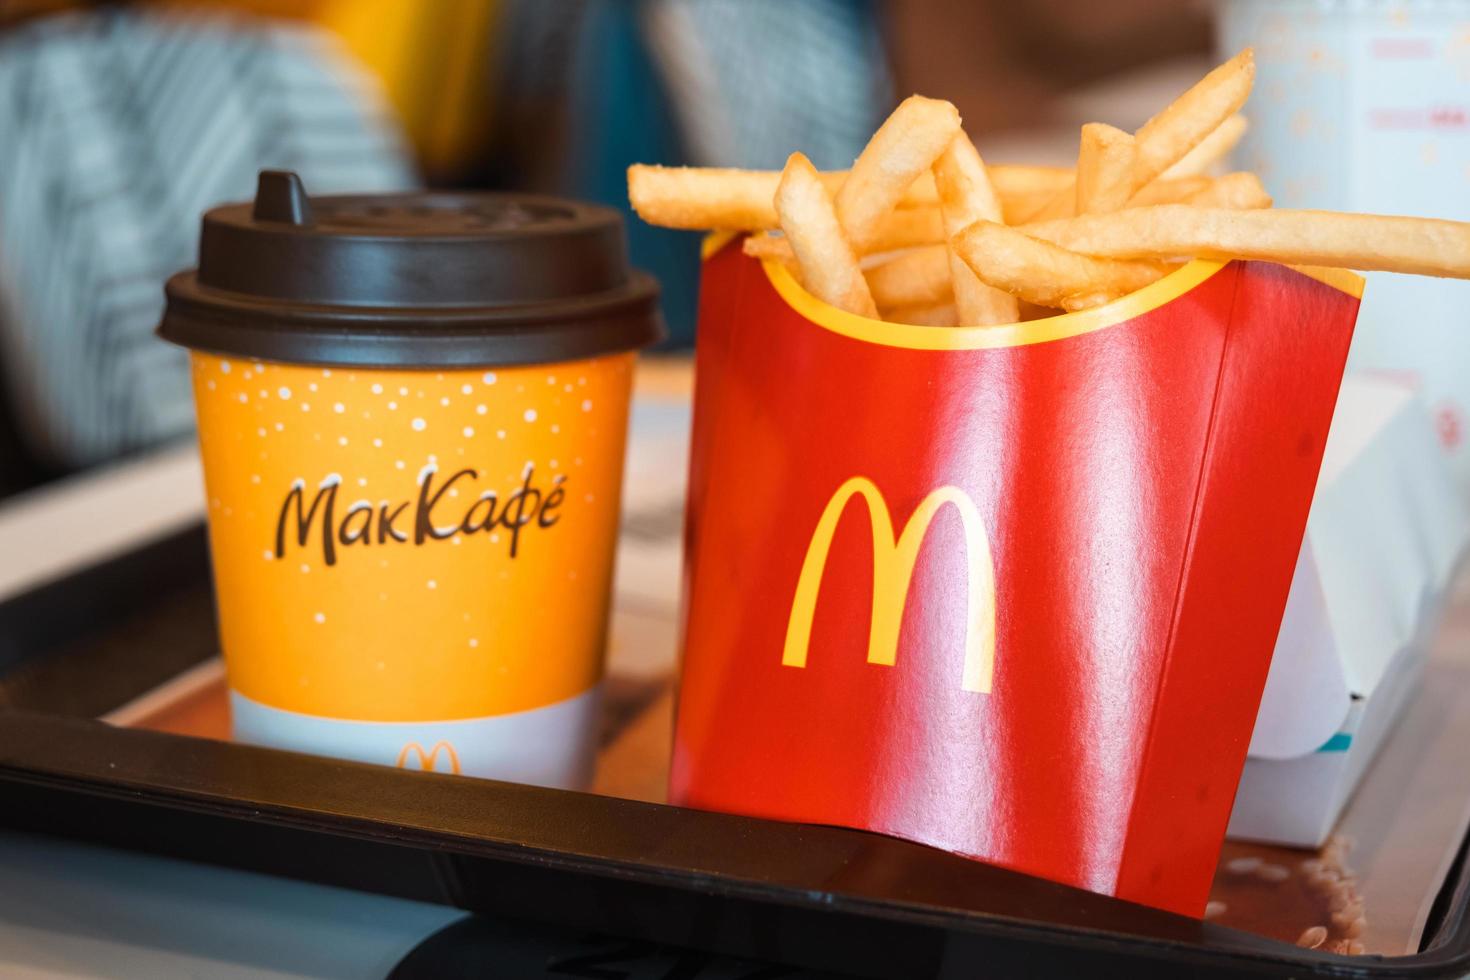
pixel 1009 591
pixel 1385 533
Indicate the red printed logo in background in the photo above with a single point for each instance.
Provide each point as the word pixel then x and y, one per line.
pixel 1449 423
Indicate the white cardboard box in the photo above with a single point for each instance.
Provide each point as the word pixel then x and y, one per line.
pixel 1384 536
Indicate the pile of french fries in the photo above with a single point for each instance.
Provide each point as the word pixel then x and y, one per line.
pixel 921 231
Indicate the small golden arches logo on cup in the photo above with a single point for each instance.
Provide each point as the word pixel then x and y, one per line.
pixel 893 568
pixel 428 760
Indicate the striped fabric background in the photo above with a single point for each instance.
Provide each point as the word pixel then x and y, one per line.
pixel 116 131
pixel 751 80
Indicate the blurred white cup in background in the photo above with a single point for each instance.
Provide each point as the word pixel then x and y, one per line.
pixel 1364 105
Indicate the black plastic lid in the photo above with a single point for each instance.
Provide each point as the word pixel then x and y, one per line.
pixel 410 280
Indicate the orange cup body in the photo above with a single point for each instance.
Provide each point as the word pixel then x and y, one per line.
pixel 413 567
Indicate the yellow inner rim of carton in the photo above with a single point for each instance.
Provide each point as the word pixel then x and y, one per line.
pixel 1058 327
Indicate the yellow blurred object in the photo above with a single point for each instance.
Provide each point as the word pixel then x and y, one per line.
pixel 433 58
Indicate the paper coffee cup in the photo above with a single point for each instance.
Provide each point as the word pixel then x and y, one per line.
pixel 412 528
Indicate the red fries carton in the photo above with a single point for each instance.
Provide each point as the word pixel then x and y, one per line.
pixel 1009 591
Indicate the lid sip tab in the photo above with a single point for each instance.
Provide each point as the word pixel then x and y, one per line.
pixel 410 280
pixel 280 196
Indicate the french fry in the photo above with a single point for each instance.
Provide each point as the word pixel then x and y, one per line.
pixel 768 247
pixel 1030 311
pixel 1104 169
pixel 902 229
pixel 1014 184
pixel 1183 124
pixel 902 148
pixel 905 228
pixel 703 197
pixel 920 194
pixel 1240 191
pixel 1210 150
pixel 966 196
pixel 943 315
pixel 962 182
pixel 915 228
pixel 1062 204
pixel 1019 208
pixel 1171 191
pixel 1026 192
pixel 917 277
pixel 1375 243
pixel 1012 179
pixel 829 268
pixel 724 199
pixel 718 199
pixel 1043 273
pixel 1052 205
pixel 1087 301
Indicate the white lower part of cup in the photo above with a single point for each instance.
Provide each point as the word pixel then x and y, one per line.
pixel 553 745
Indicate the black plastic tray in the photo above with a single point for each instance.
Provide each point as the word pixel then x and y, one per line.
pixel 817 898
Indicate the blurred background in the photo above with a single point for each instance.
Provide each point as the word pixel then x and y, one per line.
pixel 121 122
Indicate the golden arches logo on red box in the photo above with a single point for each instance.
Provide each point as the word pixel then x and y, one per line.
pixel 1072 539
pixel 893 570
